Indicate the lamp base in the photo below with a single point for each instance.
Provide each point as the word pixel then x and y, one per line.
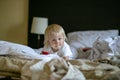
pixel 40 41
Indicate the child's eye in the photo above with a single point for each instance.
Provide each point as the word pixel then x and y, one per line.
pixel 53 40
pixel 59 38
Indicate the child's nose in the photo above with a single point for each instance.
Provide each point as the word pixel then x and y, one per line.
pixel 57 41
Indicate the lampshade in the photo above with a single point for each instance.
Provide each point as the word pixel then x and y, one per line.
pixel 39 25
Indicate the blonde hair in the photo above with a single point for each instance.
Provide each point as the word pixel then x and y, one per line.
pixel 53 28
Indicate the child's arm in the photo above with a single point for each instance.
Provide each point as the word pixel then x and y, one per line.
pixel 67 52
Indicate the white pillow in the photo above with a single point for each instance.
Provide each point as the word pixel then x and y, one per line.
pixel 83 39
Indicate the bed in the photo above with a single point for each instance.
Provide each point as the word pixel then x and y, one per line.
pixel 96 57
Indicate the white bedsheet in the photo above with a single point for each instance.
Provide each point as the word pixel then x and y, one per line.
pixel 22 51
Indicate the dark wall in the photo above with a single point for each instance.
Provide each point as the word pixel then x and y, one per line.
pixel 82 14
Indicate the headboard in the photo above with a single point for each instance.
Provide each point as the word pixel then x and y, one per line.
pixel 74 15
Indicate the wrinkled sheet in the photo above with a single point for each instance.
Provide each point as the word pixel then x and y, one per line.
pixel 102 48
pixel 60 69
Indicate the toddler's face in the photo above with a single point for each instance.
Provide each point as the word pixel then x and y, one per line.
pixel 56 41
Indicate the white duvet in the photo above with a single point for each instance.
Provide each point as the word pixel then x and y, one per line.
pixel 21 51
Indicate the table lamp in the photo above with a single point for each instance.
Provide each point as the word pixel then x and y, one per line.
pixel 39 24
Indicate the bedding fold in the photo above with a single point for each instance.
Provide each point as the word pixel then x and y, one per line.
pixel 58 69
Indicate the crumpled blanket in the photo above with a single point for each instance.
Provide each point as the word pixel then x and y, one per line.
pixel 105 48
pixel 55 69
pixel 60 69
